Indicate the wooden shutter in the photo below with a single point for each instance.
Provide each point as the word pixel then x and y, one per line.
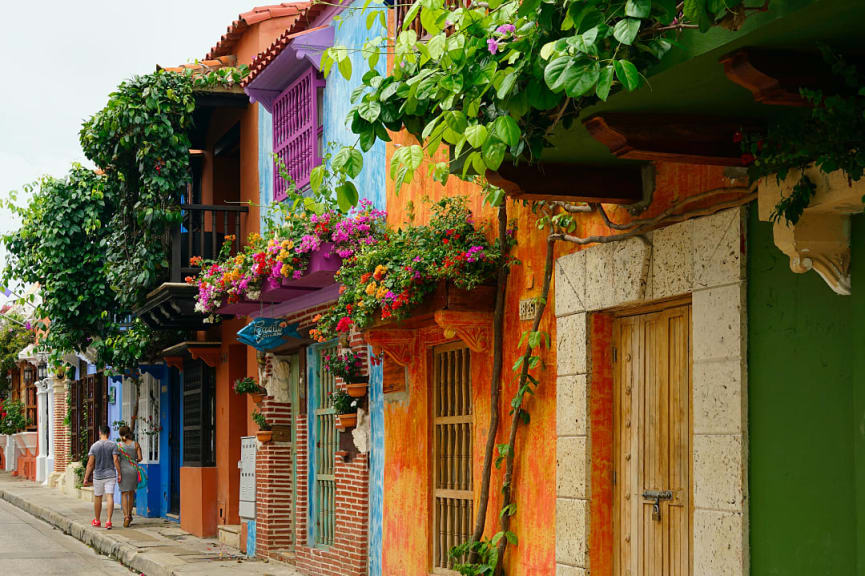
pixel 198 413
pixel 296 128
pixel 75 405
pixel 452 451
pixel 652 444
pixel 327 440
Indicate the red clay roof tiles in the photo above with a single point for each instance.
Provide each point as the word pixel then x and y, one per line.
pixel 257 15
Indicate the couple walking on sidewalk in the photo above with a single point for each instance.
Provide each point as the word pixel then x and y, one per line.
pixel 110 464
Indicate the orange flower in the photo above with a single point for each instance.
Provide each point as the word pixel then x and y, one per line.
pixel 190 280
pixel 316 318
pixel 342 289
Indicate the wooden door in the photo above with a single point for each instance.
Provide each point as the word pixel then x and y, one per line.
pixel 652 443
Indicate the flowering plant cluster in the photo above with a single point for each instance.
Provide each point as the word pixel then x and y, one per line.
pixel 283 252
pixel 347 365
pixel 12 417
pixel 150 426
pixel 386 279
pixel 343 403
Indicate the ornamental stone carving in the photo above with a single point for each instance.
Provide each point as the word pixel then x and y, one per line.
pixel 820 240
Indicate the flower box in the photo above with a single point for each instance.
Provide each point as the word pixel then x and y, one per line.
pixel 356 389
pixel 323 264
pixel 445 297
pixel 346 421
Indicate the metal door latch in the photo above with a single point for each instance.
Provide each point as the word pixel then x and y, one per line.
pixel 657 496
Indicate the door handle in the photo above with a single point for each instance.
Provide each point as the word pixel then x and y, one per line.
pixel 657 496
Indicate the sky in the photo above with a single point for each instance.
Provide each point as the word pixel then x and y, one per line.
pixel 64 58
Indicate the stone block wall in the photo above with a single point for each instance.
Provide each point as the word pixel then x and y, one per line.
pixel 62 444
pixel 703 257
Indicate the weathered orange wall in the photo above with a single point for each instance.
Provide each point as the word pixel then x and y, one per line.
pixel 197 495
pixel 406 476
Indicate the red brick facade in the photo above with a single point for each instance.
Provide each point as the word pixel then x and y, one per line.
pixel 60 430
pixel 347 556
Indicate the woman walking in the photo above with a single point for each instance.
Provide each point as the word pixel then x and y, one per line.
pixel 130 456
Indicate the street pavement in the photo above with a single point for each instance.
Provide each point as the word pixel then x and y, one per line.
pixel 29 546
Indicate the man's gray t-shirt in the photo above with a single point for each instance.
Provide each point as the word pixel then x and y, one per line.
pixel 103 452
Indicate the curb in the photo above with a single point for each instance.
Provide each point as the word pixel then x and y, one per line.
pixel 126 554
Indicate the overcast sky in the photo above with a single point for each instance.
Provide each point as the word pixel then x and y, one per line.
pixel 64 58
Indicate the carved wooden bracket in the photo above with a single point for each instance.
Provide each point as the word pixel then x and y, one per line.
pixel 820 240
pixel 174 362
pixel 209 356
pixel 473 328
pixel 397 343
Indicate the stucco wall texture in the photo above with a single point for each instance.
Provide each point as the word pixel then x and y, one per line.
pixel 806 414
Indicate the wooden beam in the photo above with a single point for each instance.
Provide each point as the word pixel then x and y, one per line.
pixel 669 137
pixel 775 76
pixel 570 182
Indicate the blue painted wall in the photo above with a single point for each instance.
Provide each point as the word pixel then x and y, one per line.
pixel 350 30
pixel 265 161
pixel 311 404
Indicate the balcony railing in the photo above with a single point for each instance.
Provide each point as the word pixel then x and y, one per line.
pixel 201 233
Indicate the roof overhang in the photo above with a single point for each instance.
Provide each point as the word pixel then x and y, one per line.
pixel 300 51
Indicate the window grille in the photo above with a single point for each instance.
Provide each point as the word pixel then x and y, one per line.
pixel 452 450
pixel 148 431
pixel 297 132
pixel 326 445
pixel 30 397
pixel 198 414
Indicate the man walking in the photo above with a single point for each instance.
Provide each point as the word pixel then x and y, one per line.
pixel 103 466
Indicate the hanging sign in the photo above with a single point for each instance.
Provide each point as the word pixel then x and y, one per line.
pixel 268 333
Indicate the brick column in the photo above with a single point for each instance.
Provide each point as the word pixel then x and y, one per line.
pixel 273 483
pixel 62 444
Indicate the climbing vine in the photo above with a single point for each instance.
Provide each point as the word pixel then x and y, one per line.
pixel 95 241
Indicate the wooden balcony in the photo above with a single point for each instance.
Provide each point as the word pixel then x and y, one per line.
pixel 201 233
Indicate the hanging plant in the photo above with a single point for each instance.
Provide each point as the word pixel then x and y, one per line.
pixel 385 280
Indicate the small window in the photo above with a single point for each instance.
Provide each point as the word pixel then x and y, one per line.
pixel 326 442
pixel 297 129
pixel 452 452
pixel 198 413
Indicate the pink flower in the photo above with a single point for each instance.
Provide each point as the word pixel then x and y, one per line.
pixel 506 29
pixel 492 45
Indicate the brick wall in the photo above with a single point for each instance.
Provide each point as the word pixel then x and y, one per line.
pixel 62 444
pixel 273 480
pixel 347 556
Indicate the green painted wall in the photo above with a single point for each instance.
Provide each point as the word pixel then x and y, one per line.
pixel 806 387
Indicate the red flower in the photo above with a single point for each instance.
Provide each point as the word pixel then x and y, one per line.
pixel 445 241
pixel 747 158
pixel 344 324
pixel 737 137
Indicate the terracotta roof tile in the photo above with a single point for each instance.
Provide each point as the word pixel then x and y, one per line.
pixel 203 65
pixel 255 16
pixel 300 26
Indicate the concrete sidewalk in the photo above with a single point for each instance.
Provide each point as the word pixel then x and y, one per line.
pixel 151 546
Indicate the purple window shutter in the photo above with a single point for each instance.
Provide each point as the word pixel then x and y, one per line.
pixel 296 131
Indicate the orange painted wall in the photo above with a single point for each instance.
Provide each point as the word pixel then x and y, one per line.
pixel 197 494
pixel 406 476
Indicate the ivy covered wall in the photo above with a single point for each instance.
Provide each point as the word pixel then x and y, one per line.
pixel 806 414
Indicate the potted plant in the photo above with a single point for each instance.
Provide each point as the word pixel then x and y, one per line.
pixel 265 434
pixel 348 365
pixel 346 409
pixel 249 386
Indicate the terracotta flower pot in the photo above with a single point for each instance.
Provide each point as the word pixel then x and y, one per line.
pixel 264 436
pixel 345 421
pixel 257 397
pixel 357 389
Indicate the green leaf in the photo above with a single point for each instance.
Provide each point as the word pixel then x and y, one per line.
pixel 605 82
pixel 638 8
pixel 345 67
pixel 436 46
pixel 547 50
pixel 369 111
pixel 585 79
pixel 626 30
pixel 346 196
pixel 476 135
pixel 316 177
pixel 506 85
pixel 348 160
pixel 628 74
pixel 494 153
pixel 507 130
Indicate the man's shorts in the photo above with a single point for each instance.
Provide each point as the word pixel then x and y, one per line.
pixel 100 487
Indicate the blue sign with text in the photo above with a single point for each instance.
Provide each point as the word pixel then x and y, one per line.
pixel 267 333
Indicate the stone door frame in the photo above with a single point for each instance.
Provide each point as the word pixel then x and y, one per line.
pixel 703 257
